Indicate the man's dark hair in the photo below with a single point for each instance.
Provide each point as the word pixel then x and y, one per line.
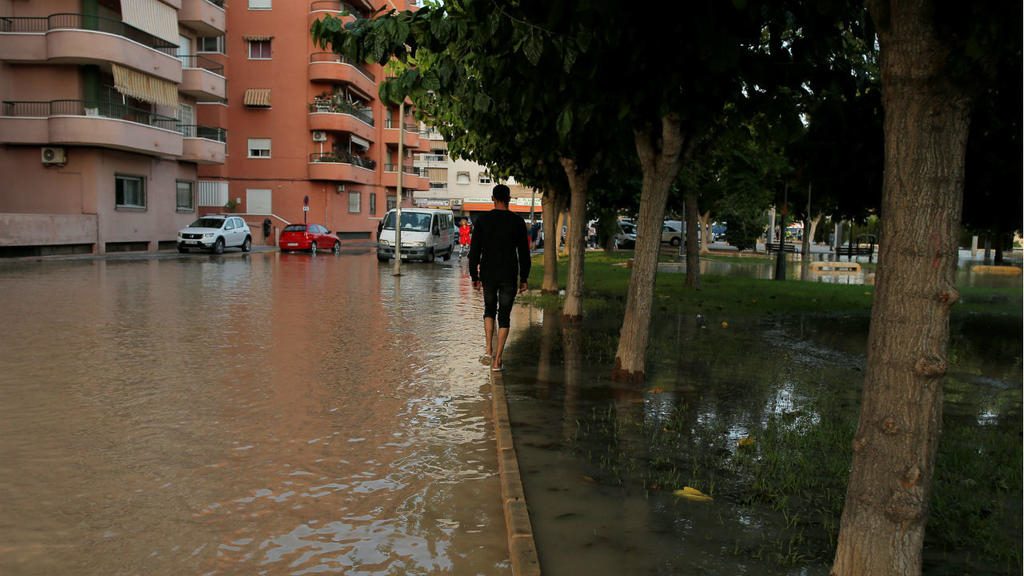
pixel 501 193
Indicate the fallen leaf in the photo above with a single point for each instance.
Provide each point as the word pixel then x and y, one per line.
pixel 744 442
pixel 693 494
pixel 725 324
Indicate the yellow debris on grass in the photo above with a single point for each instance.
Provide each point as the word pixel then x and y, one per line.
pixel 693 494
pixel 745 442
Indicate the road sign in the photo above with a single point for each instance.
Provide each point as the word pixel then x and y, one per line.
pixel 305 208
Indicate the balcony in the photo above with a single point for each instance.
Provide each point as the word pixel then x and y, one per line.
pixel 76 122
pixel 340 116
pixel 431 161
pixel 317 8
pixel 341 167
pixel 202 78
pixel 331 67
pixel 84 39
pixel 206 17
pixel 411 137
pixel 412 178
pixel 203 144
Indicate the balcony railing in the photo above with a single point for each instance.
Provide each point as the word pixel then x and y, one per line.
pixel 431 157
pixel 391 125
pixel 341 107
pixel 197 61
pixel 217 3
pixel 332 57
pixel 407 168
pixel 207 132
pixel 343 158
pixel 86 22
pixel 112 110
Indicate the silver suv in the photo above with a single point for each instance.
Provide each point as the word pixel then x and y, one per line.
pixel 215 232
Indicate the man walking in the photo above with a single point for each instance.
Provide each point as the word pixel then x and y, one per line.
pixel 499 262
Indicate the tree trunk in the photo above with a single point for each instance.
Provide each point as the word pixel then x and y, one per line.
pixel 660 167
pixel 551 207
pixel 572 309
pixel 560 243
pixel 810 225
pixel 926 123
pixel 705 233
pixel 692 250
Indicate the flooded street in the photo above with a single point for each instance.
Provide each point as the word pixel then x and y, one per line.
pixel 261 414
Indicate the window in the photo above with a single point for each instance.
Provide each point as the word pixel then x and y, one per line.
pixel 259 147
pixel 259 49
pixel 210 44
pixel 260 4
pixel 484 178
pixel 129 191
pixel 185 201
pixel 392 203
pixel 353 202
pixel 373 203
pixel 462 178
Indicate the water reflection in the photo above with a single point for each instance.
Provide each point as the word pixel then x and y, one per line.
pixel 760 416
pixel 274 413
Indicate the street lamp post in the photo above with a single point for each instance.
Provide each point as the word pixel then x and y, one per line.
pixel 398 198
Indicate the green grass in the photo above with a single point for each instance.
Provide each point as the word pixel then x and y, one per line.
pixel 606 281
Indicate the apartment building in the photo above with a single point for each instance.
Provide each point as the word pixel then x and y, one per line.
pixel 310 140
pixel 100 145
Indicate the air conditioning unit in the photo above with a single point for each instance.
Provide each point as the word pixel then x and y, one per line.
pixel 319 136
pixel 341 188
pixel 51 155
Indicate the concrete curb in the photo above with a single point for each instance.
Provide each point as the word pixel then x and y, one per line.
pixel 521 548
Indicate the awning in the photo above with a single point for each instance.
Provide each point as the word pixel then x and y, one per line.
pixel 144 87
pixel 257 97
pixel 152 16
pixel 360 142
pixel 257 37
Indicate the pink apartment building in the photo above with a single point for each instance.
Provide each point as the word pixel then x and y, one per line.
pixel 114 118
pixel 305 125
pixel 99 141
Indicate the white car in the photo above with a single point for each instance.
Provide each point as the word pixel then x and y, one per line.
pixel 672 232
pixel 215 232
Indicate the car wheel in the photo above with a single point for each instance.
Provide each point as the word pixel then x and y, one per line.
pixel 218 246
pixel 382 258
pixel 182 250
pixel 336 249
pixel 247 245
pixel 674 241
pixel 448 254
pixel 429 258
pixel 312 248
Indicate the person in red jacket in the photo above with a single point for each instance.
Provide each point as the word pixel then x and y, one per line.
pixel 465 233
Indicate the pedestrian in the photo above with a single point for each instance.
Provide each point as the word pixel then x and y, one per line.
pixel 464 237
pixel 499 263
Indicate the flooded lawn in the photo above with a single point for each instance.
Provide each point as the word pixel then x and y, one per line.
pixel 759 415
pixel 263 414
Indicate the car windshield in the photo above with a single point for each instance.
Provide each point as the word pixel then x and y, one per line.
pixel 627 228
pixel 208 223
pixel 413 221
pixel 295 228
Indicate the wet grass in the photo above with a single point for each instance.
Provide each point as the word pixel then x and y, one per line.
pixel 606 280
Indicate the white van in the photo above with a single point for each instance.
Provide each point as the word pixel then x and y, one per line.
pixel 426 235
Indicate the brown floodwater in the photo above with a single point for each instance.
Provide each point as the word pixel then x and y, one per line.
pixel 244 414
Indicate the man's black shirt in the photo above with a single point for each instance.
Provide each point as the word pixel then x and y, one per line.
pixel 499 248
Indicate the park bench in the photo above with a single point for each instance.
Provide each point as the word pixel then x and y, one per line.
pixel 774 247
pixel 839 267
pixel 854 251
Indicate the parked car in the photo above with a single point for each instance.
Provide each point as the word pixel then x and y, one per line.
pixel 311 237
pixel 672 232
pixel 215 232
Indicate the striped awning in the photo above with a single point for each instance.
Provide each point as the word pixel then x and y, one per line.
pixel 144 87
pixel 257 37
pixel 257 97
pixel 152 16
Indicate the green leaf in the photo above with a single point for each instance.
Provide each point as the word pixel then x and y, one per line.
pixel 564 123
pixel 481 102
pixel 568 59
pixel 533 48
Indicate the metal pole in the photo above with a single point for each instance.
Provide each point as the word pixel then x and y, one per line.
pixel 398 198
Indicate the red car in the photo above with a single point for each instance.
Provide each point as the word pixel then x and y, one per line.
pixel 312 237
